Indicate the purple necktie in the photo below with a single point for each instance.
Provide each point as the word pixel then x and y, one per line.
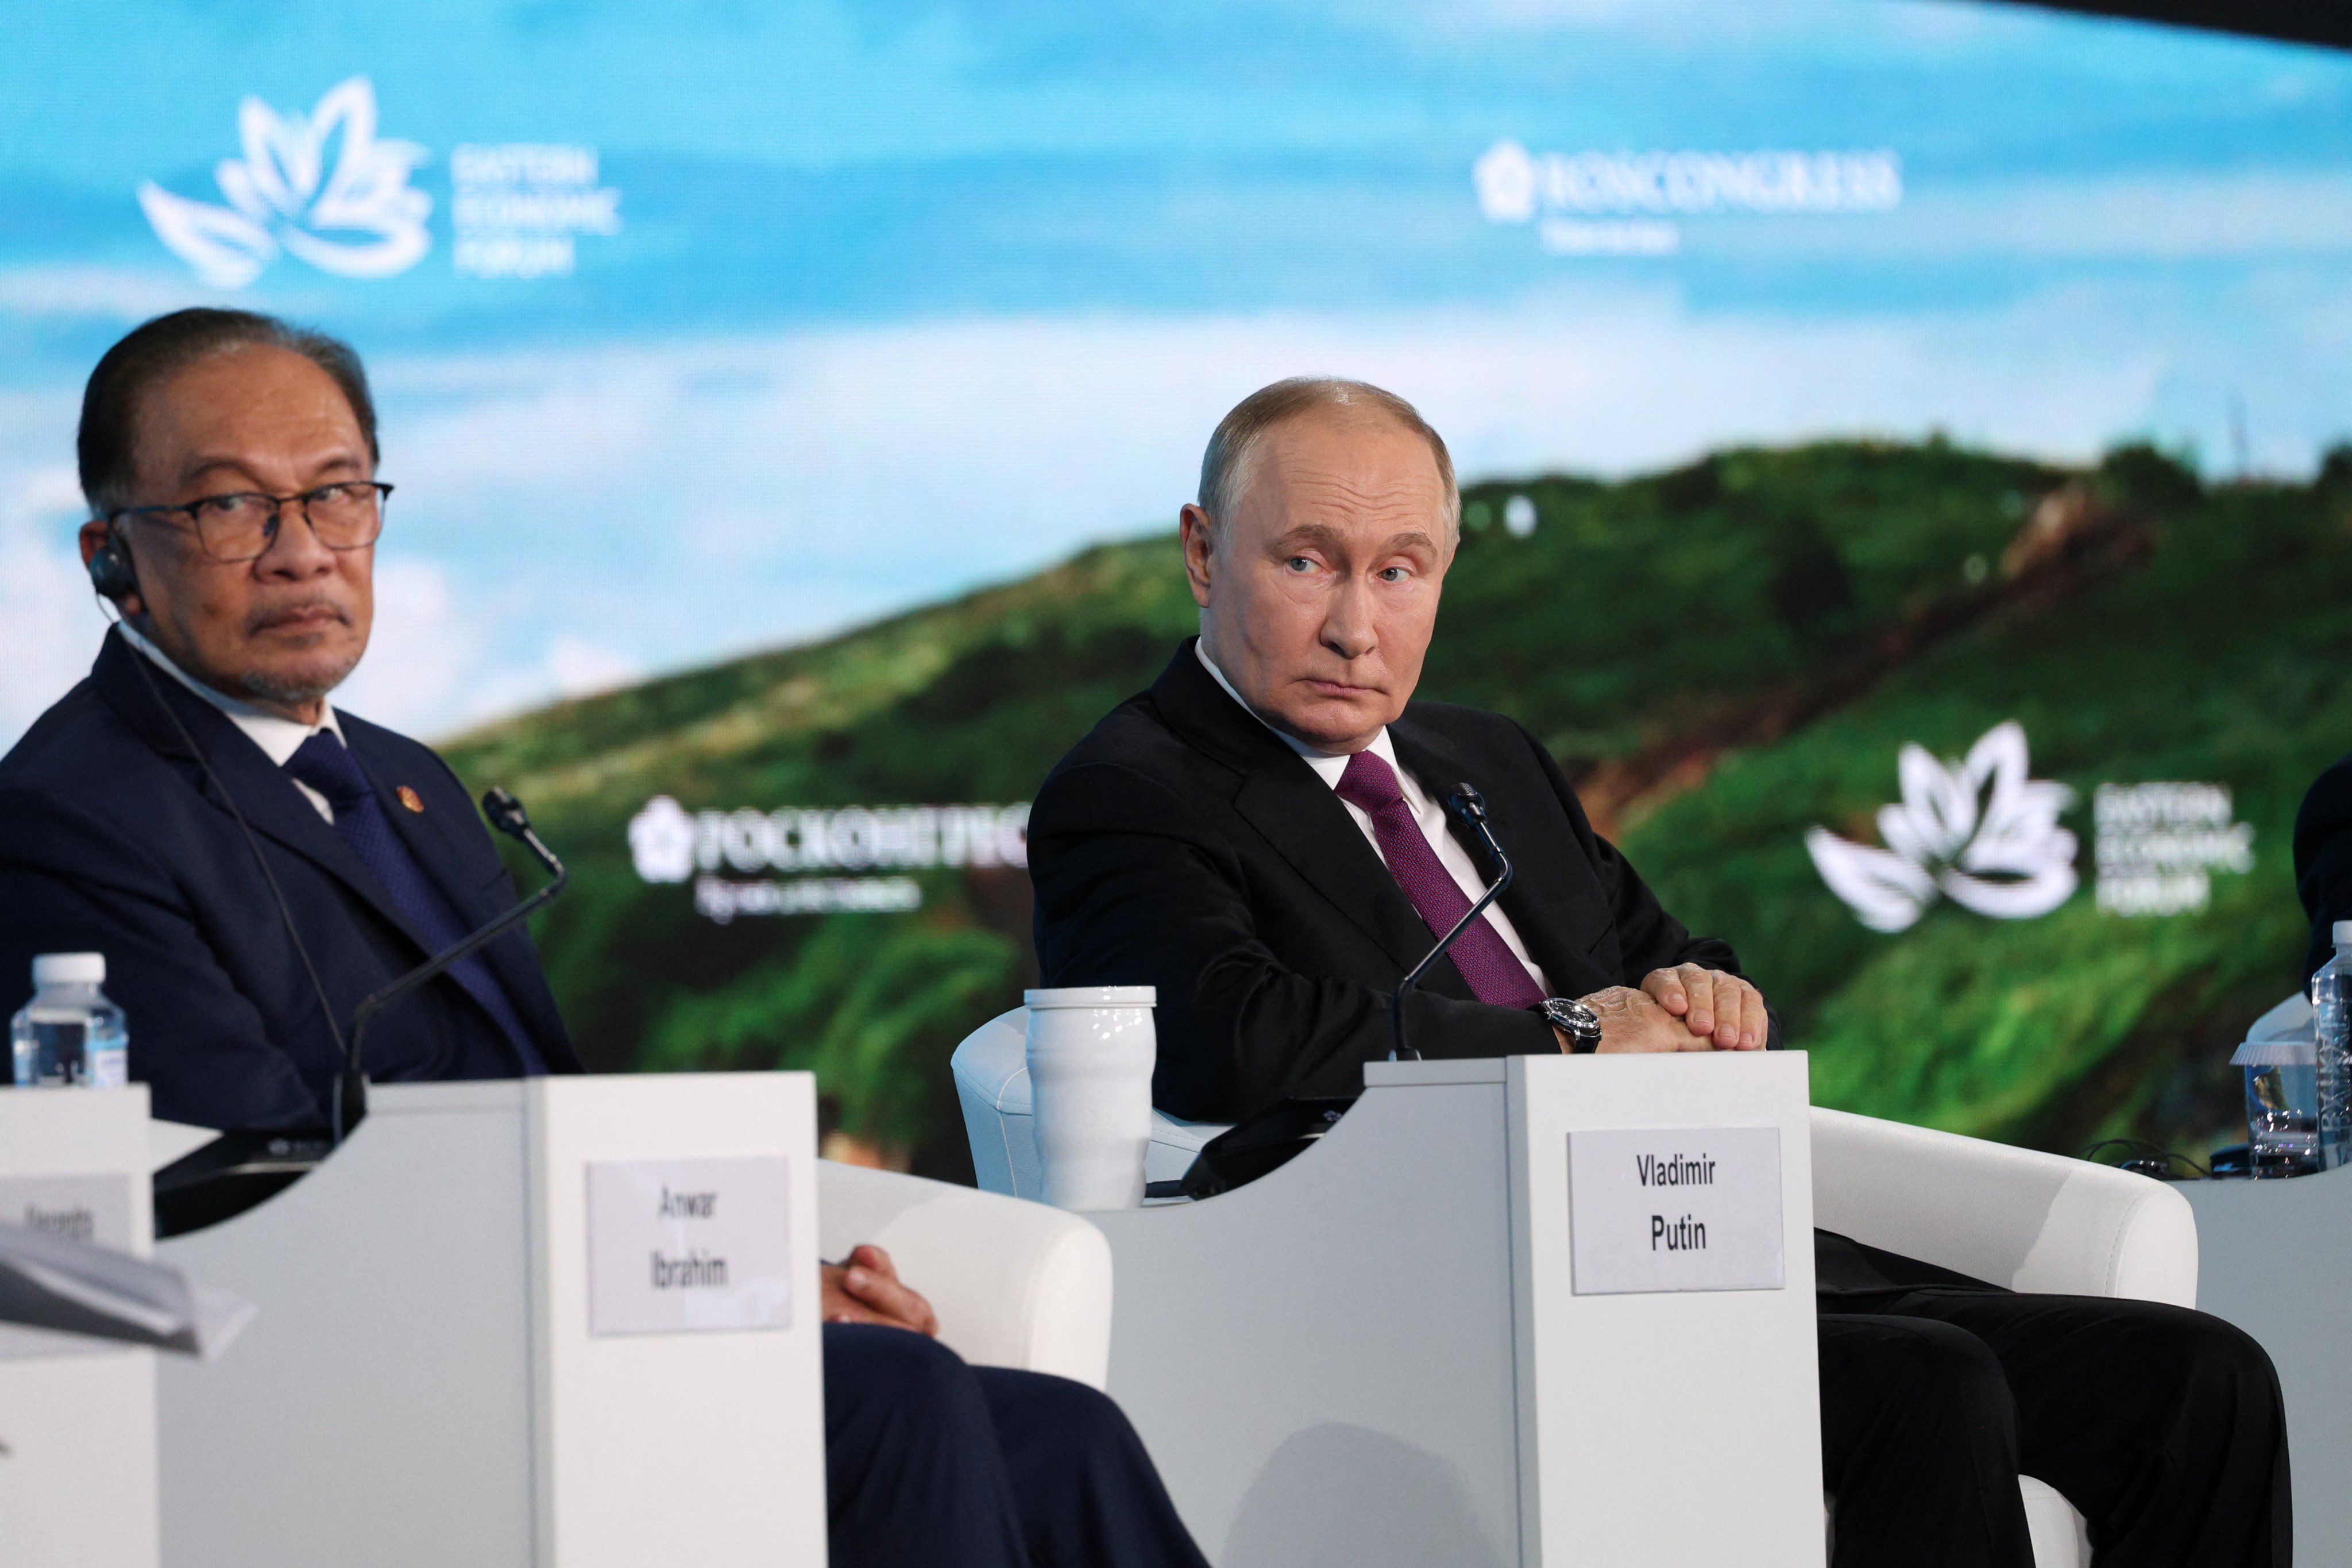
pixel 1495 973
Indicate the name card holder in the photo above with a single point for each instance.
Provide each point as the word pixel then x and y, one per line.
pixel 436 1374
pixel 1662 1223
pixel 1425 1340
pixel 77 1482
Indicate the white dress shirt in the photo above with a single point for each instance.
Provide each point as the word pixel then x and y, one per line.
pixel 1428 814
pixel 278 738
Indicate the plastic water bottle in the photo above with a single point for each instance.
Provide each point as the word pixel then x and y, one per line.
pixel 2331 1004
pixel 69 1033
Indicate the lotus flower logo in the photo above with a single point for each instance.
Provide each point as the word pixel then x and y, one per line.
pixel 1978 832
pixel 361 220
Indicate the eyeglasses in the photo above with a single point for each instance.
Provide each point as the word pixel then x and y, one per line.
pixel 243 526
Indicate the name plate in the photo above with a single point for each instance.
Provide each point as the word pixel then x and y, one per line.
pixel 689 1245
pixel 1675 1209
pixel 94 1209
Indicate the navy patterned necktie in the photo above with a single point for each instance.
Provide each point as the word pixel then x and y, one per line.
pixel 327 765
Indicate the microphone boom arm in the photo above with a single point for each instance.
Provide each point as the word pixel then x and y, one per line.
pixel 506 814
pixel 1471 807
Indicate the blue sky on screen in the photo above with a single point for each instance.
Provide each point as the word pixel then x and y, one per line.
pixel 902 299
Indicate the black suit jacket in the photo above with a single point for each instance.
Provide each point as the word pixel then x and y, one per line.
pixel 112 840
pixel 1182 845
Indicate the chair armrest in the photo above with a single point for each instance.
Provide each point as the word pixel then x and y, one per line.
pixel 1014 1283
pixel 2033 1222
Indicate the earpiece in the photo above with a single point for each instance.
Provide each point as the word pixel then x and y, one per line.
pixel 111 572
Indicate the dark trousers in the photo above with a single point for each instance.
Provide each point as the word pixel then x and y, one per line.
pixel 930 1463
pixel 2163 1426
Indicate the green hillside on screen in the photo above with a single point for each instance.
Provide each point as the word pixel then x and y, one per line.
pixel 1723 656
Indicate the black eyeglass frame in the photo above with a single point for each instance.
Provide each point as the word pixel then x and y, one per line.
pixel 278 505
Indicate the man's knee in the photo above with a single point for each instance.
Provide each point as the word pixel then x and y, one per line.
pixel 872 1371
pixel 2223 1373
pixel 1936 1378
pixel 1036 1412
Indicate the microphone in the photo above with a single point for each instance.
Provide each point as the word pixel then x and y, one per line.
pixel 506 814
pixel 1469 807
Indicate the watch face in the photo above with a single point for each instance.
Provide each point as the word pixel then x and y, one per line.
pixel 1580 1022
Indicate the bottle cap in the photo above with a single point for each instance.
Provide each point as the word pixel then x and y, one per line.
pixel 74 968
pixel 2343 933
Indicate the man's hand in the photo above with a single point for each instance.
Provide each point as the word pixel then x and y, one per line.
pixel 1712 1003
pixel 1631 1021
pixel 865 1288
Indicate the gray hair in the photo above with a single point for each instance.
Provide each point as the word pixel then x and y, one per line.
pixel 1225 466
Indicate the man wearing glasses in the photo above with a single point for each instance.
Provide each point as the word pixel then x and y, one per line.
pixel 229 461
pixel 199 813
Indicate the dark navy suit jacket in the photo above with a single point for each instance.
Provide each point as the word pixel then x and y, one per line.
pixel 112 840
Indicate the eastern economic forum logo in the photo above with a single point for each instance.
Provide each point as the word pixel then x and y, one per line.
pixel 1977 831
pixel 326 190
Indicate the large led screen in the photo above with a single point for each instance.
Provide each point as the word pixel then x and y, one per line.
pixel 1895 441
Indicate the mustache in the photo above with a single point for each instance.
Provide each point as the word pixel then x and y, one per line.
pixel 262 619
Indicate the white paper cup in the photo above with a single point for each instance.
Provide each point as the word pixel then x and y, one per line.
pixel 1091 1049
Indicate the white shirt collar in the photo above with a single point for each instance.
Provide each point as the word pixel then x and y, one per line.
pixel 1328 765
pixel 278 738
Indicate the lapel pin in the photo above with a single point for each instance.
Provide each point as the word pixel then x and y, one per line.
pixel 410 798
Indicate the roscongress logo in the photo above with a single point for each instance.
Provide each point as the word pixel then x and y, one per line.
pixel 669 843
pixel 1977 831
pixel 359 219
pixel 1595 203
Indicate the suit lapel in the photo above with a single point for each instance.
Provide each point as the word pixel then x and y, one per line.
pixel 1294 811
pixel 437 840
pixel 433 840
pixel 267 798
pixel 430 837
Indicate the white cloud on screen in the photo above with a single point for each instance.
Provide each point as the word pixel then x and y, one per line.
pixel 692 499
pixel 2182 216
pixel 863 460
pixel 580 668
pixel 423 651
pixel 431 667
pixel 49 622
pixel 124 294
pixel 568 520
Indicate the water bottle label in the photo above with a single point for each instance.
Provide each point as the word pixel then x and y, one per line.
pixel 107 1067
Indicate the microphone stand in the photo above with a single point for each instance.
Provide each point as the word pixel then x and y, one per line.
pixel 1470 807
pixel 506 814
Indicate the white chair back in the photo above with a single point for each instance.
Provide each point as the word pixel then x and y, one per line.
pixel 1014 1284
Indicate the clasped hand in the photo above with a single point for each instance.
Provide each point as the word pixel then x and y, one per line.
pixel 1686 1008
pixel 864 1287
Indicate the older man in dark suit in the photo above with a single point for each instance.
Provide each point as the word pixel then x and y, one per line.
pixel 236 511
pixel 253 862
pixel 1263 836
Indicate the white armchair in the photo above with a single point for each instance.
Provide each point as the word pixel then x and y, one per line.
pixel 1015 1284
pixel 2016 1218
pixel 2033 1222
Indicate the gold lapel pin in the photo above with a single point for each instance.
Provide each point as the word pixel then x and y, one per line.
pixel 410 798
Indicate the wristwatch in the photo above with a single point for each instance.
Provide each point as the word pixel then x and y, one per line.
pixel 1573 1018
